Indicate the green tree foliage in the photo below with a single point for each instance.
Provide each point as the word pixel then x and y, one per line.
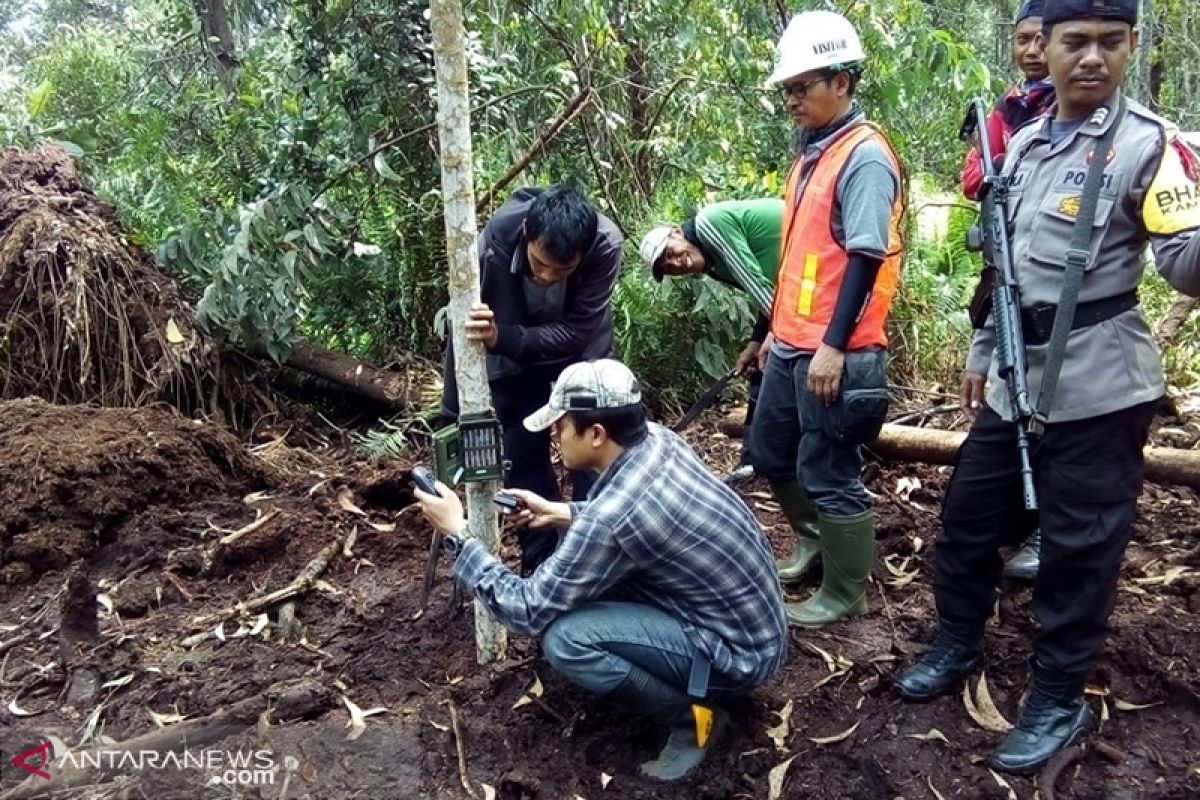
pixel 293 182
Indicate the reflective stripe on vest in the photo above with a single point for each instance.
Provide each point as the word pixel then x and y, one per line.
pixel 813 263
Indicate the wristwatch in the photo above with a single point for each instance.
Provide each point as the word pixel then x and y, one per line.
pixel 452 543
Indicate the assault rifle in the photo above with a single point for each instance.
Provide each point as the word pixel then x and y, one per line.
pixel 991 237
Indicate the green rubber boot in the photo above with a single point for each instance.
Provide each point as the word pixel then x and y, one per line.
pixel 802 516
pixel 847 549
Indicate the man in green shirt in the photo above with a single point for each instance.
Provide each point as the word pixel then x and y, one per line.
pixel 737 243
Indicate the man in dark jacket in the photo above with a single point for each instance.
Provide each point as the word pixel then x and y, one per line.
pixel 548 263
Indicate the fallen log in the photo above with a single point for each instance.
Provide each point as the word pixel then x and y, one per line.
pixel 1167 465
pixel 392 389
pixel 284 702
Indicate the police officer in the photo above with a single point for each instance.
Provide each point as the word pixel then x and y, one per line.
pixel 1022 102
pixel 1088 461
pixel 824 391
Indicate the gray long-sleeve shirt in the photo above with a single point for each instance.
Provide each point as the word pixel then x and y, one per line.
pixel 1150 194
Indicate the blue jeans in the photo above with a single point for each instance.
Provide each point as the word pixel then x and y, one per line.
pixel 791 441
pixel 595 646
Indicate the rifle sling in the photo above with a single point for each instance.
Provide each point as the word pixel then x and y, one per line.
pixel 1079 256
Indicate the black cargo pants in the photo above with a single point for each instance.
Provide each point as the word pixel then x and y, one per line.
pixel 1088 475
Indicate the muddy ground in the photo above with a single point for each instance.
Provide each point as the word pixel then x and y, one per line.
pixel 173 527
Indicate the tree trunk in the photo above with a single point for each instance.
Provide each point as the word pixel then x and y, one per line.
pixel 1166 465
pixel 458 197
pixel 373 383
pixel 218 35
pixel 1169 326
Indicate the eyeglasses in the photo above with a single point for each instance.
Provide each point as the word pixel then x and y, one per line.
pixel 800 90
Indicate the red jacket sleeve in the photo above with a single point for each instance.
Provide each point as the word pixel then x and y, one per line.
pixel 972 171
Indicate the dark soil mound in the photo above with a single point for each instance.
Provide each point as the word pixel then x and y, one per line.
pixel 85 314
pixel 71 475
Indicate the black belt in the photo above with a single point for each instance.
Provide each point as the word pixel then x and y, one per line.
pixel 1037 321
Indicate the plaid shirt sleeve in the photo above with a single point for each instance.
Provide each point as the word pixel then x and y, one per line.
pixel 586 564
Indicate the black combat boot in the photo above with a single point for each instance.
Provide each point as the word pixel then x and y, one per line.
pixel 1054 717
pixel 1024 565
pixel 957 650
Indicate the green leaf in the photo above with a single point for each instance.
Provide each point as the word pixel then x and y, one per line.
pixel 39 99
pixel 385 172
pixel 73 150
pixel 310 235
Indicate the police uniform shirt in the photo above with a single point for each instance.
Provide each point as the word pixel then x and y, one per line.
pixel 1150 192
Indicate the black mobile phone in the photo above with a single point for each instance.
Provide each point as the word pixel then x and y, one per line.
pixel 509 503
pixel 423 477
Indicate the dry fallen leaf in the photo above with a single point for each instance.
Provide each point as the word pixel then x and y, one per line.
pixel 1012 795
pixel 830 663
pixel 837 737
pixel 1125 705
pixel 535 690
pixel 17 711
pixel 358 718
pixel 930 735
pixel 775 779
pixel 115 682
pixel 174 335
pixel 346 501
pixel 982 709
pixel 162 720
pixel 779 733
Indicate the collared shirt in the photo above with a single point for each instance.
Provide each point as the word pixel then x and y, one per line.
pixel 544 302
pixel 1150 193
pixel 658 528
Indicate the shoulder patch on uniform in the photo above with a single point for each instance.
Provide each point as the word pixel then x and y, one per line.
pixel 1172 202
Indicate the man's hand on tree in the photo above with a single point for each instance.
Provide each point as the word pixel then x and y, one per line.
pixel 481 325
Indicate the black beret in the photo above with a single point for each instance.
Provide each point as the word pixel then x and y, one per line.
pixel 1030 8
pixel 1064 10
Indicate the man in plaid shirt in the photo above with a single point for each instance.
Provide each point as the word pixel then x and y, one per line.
pixel 663 594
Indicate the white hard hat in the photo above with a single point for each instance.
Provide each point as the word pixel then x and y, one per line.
pixel 652 247
pixel 815 40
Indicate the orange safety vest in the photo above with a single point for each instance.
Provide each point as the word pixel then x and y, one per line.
pixel 812 263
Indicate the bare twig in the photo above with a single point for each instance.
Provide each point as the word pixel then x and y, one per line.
pixel 461 746
pixel 551 129
pixel 946 408
pixel 299 585
pixel 1054 768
